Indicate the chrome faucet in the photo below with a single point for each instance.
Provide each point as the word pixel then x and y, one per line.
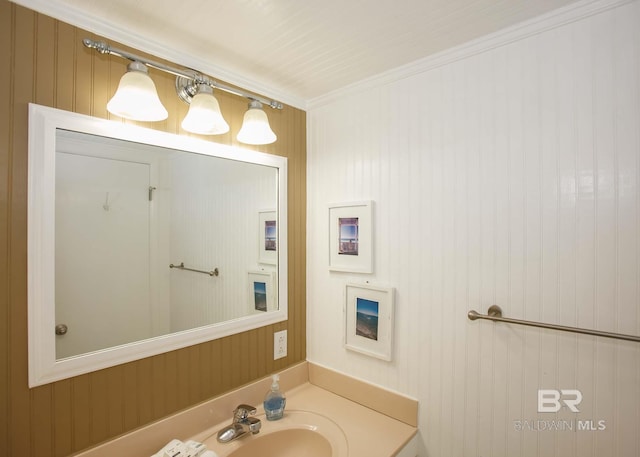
pixel 242 424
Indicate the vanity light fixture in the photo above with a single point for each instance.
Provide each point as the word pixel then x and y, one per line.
pixel 137 99
pixel 204 116
pixel 255 126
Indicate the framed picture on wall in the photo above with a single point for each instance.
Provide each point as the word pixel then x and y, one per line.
pixel 261 291
pixel 368 312
pixel 350 237
pixel 267 237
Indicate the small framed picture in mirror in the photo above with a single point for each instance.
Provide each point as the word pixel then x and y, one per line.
pixel 261 291
pixel 268 237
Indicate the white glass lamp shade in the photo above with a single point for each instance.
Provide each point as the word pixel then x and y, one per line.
pixel 136 97
pixel 255 126
pixel 204 116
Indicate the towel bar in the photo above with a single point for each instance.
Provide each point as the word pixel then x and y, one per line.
pixel 495 314
pixel 214 272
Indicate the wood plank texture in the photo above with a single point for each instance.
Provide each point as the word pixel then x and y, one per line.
pixel 44 61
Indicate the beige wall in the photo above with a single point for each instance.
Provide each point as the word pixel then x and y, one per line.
pixel 43 61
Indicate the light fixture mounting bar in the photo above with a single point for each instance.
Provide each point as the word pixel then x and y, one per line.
pixel 105 48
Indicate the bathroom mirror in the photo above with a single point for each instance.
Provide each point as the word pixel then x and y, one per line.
pixel 141 242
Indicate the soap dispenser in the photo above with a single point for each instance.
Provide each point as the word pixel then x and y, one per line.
pixel 274 401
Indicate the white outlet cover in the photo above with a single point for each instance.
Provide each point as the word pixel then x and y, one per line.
pixel 279 345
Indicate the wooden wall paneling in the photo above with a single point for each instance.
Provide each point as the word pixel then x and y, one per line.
pixel 263 350
pixel 47 64
pixel 118 393
pixel 19 408
pixel 224 348
pixel 117 67
pixel 159 401
pixel 212 374
pixel 165 85
pixel 84 75
pixel 202 371
pixel 180 393
pixel 46 53
pixel 243 369
pixel 100 409
pixel 132 405
pixel 233 114
pixel 6 93
pixel 258 354
pixel 62 411
pixel 260 351
pixel 41 407
pixel 169 376
pixel 141 406
pixel 102 84
pixel 81 404
pixel 42 399
pixel 64 67
pixel 192 381
pixel 233 361
pixel 299 236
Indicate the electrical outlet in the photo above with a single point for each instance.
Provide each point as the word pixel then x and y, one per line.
pixel 279 345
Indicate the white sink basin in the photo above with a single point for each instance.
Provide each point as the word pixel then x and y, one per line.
pixel 298 433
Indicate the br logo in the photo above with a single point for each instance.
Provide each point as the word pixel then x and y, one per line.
pixel 551 400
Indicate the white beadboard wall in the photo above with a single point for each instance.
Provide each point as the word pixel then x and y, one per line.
pixel 509 176
pixel 211 202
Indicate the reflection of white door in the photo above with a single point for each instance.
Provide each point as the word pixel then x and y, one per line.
pixel 102 252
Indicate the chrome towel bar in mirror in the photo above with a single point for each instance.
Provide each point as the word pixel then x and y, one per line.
pixel 180 266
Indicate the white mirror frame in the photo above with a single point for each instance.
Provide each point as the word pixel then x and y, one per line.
pixel 43 366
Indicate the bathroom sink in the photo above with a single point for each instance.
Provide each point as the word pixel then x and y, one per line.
pixel 283 443
pixel 298 433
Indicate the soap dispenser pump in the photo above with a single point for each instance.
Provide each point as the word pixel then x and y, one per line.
pixel 274 401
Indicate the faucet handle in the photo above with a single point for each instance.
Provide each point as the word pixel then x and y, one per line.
pixel 243 411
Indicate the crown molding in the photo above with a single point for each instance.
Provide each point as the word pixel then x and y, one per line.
pixel 73 16
pixel 540 24
pixel 554 19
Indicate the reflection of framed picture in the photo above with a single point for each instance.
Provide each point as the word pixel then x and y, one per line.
pixel 261 291
pixel 369 320
pixel 350 237
pixel 268 237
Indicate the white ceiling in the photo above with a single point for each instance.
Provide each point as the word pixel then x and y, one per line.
pixel 296 49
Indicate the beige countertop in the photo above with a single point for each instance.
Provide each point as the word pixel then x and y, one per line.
pixel 376 422
pixel 369 433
